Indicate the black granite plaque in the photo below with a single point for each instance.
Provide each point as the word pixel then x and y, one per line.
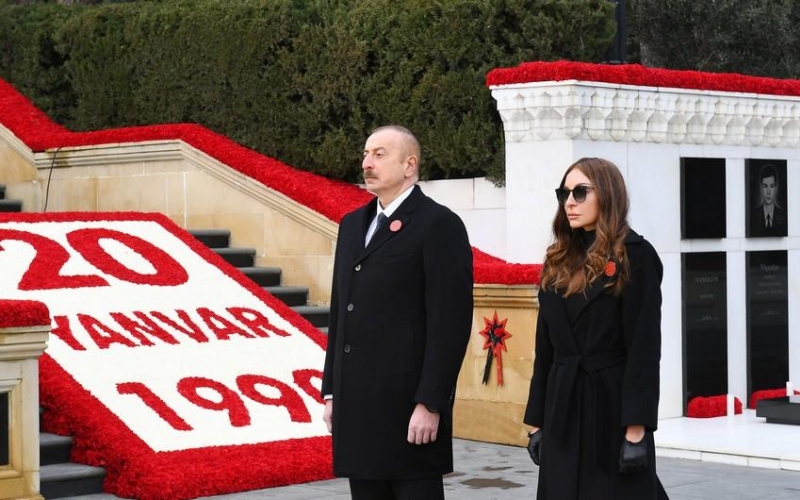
pixel 766 198
pixel 705 325
pixel 5 431
pixel 767 320
pixel 779 411
pixel 702 198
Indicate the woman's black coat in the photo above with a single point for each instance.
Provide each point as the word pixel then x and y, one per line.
pixel 596 371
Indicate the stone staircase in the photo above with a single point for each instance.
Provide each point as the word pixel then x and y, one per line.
pixel 61 478
pixel 268 278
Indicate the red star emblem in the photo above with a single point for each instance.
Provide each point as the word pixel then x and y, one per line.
pixel 496 336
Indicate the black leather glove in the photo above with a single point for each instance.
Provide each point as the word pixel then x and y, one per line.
pixel 535 446
pixel 633 456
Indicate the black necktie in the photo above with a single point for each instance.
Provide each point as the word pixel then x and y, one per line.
pixel 769 221
pixel 381 221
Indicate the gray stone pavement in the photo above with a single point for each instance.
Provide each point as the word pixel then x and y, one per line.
pixel 487 471
pixel 496 472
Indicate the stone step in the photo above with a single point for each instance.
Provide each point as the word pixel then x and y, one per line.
pixel 237 257
pixel 212 238
pixel 289 295
pixel 54 449
pixel 267 277
pixel 263 276
pixel 69 480
pixel 10 205
pixel 316 315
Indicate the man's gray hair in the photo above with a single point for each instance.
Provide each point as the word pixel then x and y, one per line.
pixel 411 141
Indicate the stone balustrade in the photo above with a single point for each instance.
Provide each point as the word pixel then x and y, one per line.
pixel 625 113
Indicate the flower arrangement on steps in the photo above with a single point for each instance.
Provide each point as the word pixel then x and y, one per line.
pixel 168 367
pixel 331 198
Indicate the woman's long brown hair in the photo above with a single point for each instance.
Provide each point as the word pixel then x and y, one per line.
pixel 569 267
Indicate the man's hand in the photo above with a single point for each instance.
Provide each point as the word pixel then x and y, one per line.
pixel 423 426
pixel 327 414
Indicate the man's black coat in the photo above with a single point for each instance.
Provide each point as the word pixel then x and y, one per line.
pixel 401 315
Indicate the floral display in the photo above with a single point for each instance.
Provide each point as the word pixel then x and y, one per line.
pixel 331 198
pixel 712 406
pixel 638 75
pixel 21 313
pixel 166 365
pixel 767 394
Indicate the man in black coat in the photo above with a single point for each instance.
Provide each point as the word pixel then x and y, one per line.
pixel 401 315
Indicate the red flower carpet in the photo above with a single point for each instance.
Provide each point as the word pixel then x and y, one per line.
pixel 331 198
pixel 168 367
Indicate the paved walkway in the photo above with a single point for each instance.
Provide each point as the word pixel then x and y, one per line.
pixel 497 472
pixel 736 458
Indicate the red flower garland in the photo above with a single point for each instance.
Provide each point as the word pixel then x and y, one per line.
pixel 712 406
pixel 19 313
pixel 331 198
pixel 767 394
pixel 489 269
pixel 635 74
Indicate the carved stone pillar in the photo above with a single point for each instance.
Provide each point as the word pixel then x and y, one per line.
pixel 24 328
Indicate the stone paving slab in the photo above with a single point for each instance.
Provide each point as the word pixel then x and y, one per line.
pixel 487 471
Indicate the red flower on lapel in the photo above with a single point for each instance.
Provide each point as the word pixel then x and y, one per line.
pixel 610 269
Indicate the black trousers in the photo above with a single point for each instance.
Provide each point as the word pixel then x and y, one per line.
pixel 429 488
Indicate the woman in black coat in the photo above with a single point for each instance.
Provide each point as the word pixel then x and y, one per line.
pixel 593 401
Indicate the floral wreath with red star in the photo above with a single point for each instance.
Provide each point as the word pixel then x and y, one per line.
pixel 496 336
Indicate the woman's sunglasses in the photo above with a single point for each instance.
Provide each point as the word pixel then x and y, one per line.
pixel 578 193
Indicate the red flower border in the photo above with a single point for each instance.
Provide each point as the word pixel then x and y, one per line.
pixel 712 406
pixel 767 394
pixel 635 74
pixel 133 469
pixel 20 313
pixel 331 198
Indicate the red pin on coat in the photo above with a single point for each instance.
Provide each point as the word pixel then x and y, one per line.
pixel 395 226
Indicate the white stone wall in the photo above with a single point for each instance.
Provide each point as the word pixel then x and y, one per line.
pixel 645 131
pixel 480 204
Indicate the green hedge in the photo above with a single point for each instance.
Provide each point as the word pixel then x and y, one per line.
pixel 300 80
pixel 742 36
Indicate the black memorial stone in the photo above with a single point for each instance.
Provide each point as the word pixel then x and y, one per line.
pixel 705 325
pixel 702 198
pixel 779 410
pixel 767 320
